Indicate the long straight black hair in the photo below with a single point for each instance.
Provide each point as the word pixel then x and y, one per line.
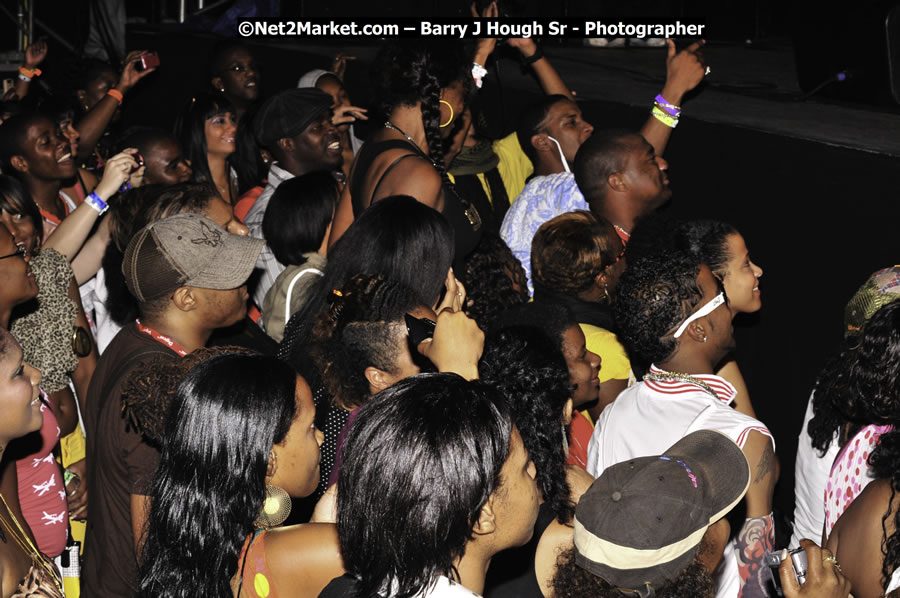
pixel 220 428
pixel 191 133
pixel 421 459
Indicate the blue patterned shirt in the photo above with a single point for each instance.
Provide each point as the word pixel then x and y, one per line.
pixel 543 198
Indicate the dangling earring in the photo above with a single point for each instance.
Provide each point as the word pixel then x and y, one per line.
pixel 565 442
pixel 606 293
pixel 276 508
pixel 449 120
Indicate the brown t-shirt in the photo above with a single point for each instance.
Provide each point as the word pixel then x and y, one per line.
pixel 120 463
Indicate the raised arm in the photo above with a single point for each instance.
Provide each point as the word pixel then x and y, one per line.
pixel 71 233
pixel 34 56
pixel 684 71
pixel 548 77
pixel 532 54
pixel 757 535
pixel 94 123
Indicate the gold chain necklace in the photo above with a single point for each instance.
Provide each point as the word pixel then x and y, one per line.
pixel 25 543
pixel 393 127
pixel 664 375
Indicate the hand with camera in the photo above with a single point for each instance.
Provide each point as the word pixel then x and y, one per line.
pixel 125 167
pixel 457 344
pixel 823 575
pixel 132 72
pixel 457 341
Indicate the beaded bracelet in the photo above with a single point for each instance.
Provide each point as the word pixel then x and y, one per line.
pixel 664 118
pixel 95 202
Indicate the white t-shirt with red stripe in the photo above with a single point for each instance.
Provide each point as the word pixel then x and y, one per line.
pixel 652 415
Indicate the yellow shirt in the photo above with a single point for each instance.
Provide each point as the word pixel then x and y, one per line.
pixel 514 168
pixel 614 361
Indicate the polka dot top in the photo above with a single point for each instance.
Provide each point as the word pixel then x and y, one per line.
pixel 850 473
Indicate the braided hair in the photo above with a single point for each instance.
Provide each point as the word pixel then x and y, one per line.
pixel 362 327
pixel 414 72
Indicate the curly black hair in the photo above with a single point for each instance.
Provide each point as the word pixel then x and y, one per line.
pixel 572 581
pixel 656 293
pixel 861 385
pixel 529 370
pixel 709 240
pixel 494 281
pixel 552 319
pixel 362 327
pixel 884 460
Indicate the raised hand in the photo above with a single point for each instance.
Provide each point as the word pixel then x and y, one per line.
pixel 684 70
pixel 118 171
pixel 130 75
pixel 36 53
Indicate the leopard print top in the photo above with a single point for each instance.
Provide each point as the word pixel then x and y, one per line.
pixel 38 584
pixel 45 332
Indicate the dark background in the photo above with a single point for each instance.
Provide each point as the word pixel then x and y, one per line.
pixel 818 217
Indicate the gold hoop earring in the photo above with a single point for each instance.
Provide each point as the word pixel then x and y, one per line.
pixel 449 120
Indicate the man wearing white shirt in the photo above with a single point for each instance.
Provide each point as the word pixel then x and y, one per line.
pixel 673 313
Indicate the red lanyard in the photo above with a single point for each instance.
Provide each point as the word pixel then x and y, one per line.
pixel 165 340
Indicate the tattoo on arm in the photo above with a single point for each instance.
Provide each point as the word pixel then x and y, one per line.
pixel 755 539
pixel 766 463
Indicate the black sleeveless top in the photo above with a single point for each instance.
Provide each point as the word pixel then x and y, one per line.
pixel 511 574
pixel 463 217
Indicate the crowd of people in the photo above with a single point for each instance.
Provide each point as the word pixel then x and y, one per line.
pixel 254 355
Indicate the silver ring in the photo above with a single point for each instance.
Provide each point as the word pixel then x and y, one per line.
pixel 707 71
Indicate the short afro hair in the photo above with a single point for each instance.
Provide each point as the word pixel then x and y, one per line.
pixel 602 155
pixel 656 293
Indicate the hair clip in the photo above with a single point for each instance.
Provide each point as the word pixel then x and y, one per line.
pixel 337 305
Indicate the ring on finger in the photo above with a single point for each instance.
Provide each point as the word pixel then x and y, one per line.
pixel 833 561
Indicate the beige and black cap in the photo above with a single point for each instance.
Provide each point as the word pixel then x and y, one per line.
pixel 640 523
pixel 187 250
